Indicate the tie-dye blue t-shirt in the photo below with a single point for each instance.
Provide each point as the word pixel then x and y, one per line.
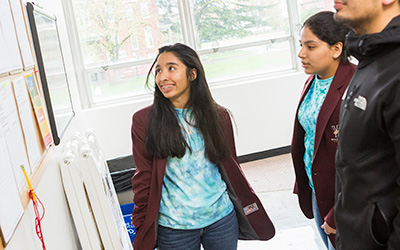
pixel 308 115
pixel 193 192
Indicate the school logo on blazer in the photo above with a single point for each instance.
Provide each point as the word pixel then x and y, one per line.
pixel 335 129
pixel 249 209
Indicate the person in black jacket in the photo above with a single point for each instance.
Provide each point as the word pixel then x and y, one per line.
pixel 367 201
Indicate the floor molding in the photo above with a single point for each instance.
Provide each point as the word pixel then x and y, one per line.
pixel 127 163
pixel 264 154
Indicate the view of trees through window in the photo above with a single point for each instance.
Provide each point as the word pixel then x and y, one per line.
pixel 119 39
pixel 232 22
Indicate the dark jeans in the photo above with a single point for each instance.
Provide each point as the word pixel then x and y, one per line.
pixel 222 234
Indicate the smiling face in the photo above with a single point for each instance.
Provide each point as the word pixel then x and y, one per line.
pixel 318 57
pixel 172 80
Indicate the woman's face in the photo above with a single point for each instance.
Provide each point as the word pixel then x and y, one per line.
pixel 171 79
pixel 318 57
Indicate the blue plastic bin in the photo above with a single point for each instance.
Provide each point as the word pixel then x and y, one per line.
pixel 127 213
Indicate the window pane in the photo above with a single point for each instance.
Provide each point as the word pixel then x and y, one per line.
pixel 309 7
pixel 247 61
pixel 219 23
pixel 112 31
pixel 118 83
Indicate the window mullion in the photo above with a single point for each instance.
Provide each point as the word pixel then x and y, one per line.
pixel 294 22
pixel 80 71
pixel 187 22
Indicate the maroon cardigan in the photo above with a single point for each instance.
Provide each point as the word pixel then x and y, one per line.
pixel 323 163
pixel 254 222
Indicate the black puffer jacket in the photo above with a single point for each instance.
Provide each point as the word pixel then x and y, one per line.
pixel 368 155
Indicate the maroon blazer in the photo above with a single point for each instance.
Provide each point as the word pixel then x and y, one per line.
pixel 323 163
pixel 254 222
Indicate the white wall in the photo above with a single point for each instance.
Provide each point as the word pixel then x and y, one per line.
pixel 263 110
pixel 57 225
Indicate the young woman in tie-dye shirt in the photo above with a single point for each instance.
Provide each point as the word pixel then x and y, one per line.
pixel 184 130
pixel 317 121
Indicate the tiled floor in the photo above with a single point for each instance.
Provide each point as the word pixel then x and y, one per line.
pixel 272 179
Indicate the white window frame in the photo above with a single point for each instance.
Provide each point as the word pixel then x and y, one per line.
pixel 144 9
pixel 188 33
pixel 130 13
pixel 134 42
pixel 148 34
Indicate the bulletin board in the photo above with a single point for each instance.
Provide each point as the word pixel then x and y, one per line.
pixel 25 132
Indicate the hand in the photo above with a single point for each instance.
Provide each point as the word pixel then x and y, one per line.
pixel 328 230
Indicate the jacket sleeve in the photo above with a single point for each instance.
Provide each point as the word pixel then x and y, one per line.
pixel 142 176
pixel 226 124
pixel 330 218
pixel 253 225
pixel 392 121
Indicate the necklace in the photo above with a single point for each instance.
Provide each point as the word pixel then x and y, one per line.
pixel 187 127
pixel 185 121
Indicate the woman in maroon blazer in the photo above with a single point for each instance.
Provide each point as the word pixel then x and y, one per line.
pixel 315 133
pixel 175 140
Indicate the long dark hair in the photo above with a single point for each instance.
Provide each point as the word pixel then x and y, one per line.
pixel 327 29
pixel 164 137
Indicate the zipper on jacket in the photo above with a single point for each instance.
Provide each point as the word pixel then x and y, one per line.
pixel 347 100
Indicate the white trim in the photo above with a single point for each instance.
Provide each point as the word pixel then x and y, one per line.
pixel 294 20
pixel 244 45
pixel 85 94
pixel 187 23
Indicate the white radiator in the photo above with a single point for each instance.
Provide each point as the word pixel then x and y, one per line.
pixel 91 195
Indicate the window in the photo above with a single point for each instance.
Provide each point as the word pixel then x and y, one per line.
pixel 242 38
pixel 227 23
pixel 130 13
pixel 144 9
pixel 235 39
pixel 134 44
pixel 148 33
pixel 309 7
